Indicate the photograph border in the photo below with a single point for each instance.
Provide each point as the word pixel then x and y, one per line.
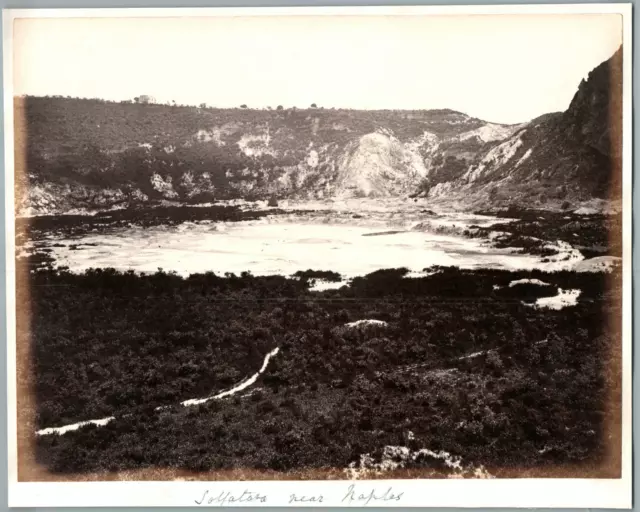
pixel 534 493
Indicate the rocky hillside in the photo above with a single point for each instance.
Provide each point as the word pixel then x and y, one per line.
pixel 559 159
pixel 78 154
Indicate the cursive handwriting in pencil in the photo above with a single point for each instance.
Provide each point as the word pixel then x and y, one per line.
pixel 364 498
pixel 227 498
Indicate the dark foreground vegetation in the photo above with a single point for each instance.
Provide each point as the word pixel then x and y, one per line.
pixel 464 366
pixel 34 228
pixel 593 235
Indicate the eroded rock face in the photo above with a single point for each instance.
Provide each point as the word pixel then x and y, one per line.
pixel 379 165
pixel 563 158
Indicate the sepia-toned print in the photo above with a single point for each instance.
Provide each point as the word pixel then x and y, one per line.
pixel 319 248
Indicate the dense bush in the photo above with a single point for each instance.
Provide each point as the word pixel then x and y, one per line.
pixel 593 235
pixel 325 275
pixel 532 394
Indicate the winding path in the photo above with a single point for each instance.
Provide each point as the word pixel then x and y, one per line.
pixel 243 385
pixel 187 403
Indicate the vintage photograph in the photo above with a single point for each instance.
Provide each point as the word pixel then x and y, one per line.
pixel 318 247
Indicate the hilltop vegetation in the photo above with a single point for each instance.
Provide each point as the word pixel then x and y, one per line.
pixel 57 125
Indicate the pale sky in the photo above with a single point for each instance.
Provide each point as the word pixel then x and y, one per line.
pixel 500 68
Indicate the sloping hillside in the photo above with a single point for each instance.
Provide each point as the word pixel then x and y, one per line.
pixel 73 153
pixel 79 153
pixel 560 158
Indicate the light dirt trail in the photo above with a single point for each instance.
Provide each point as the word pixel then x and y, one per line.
pixel 243 385
pixel 187 403
pixel 74 426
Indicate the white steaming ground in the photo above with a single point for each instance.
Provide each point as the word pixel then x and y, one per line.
pixel 563 299
pixel 275 246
